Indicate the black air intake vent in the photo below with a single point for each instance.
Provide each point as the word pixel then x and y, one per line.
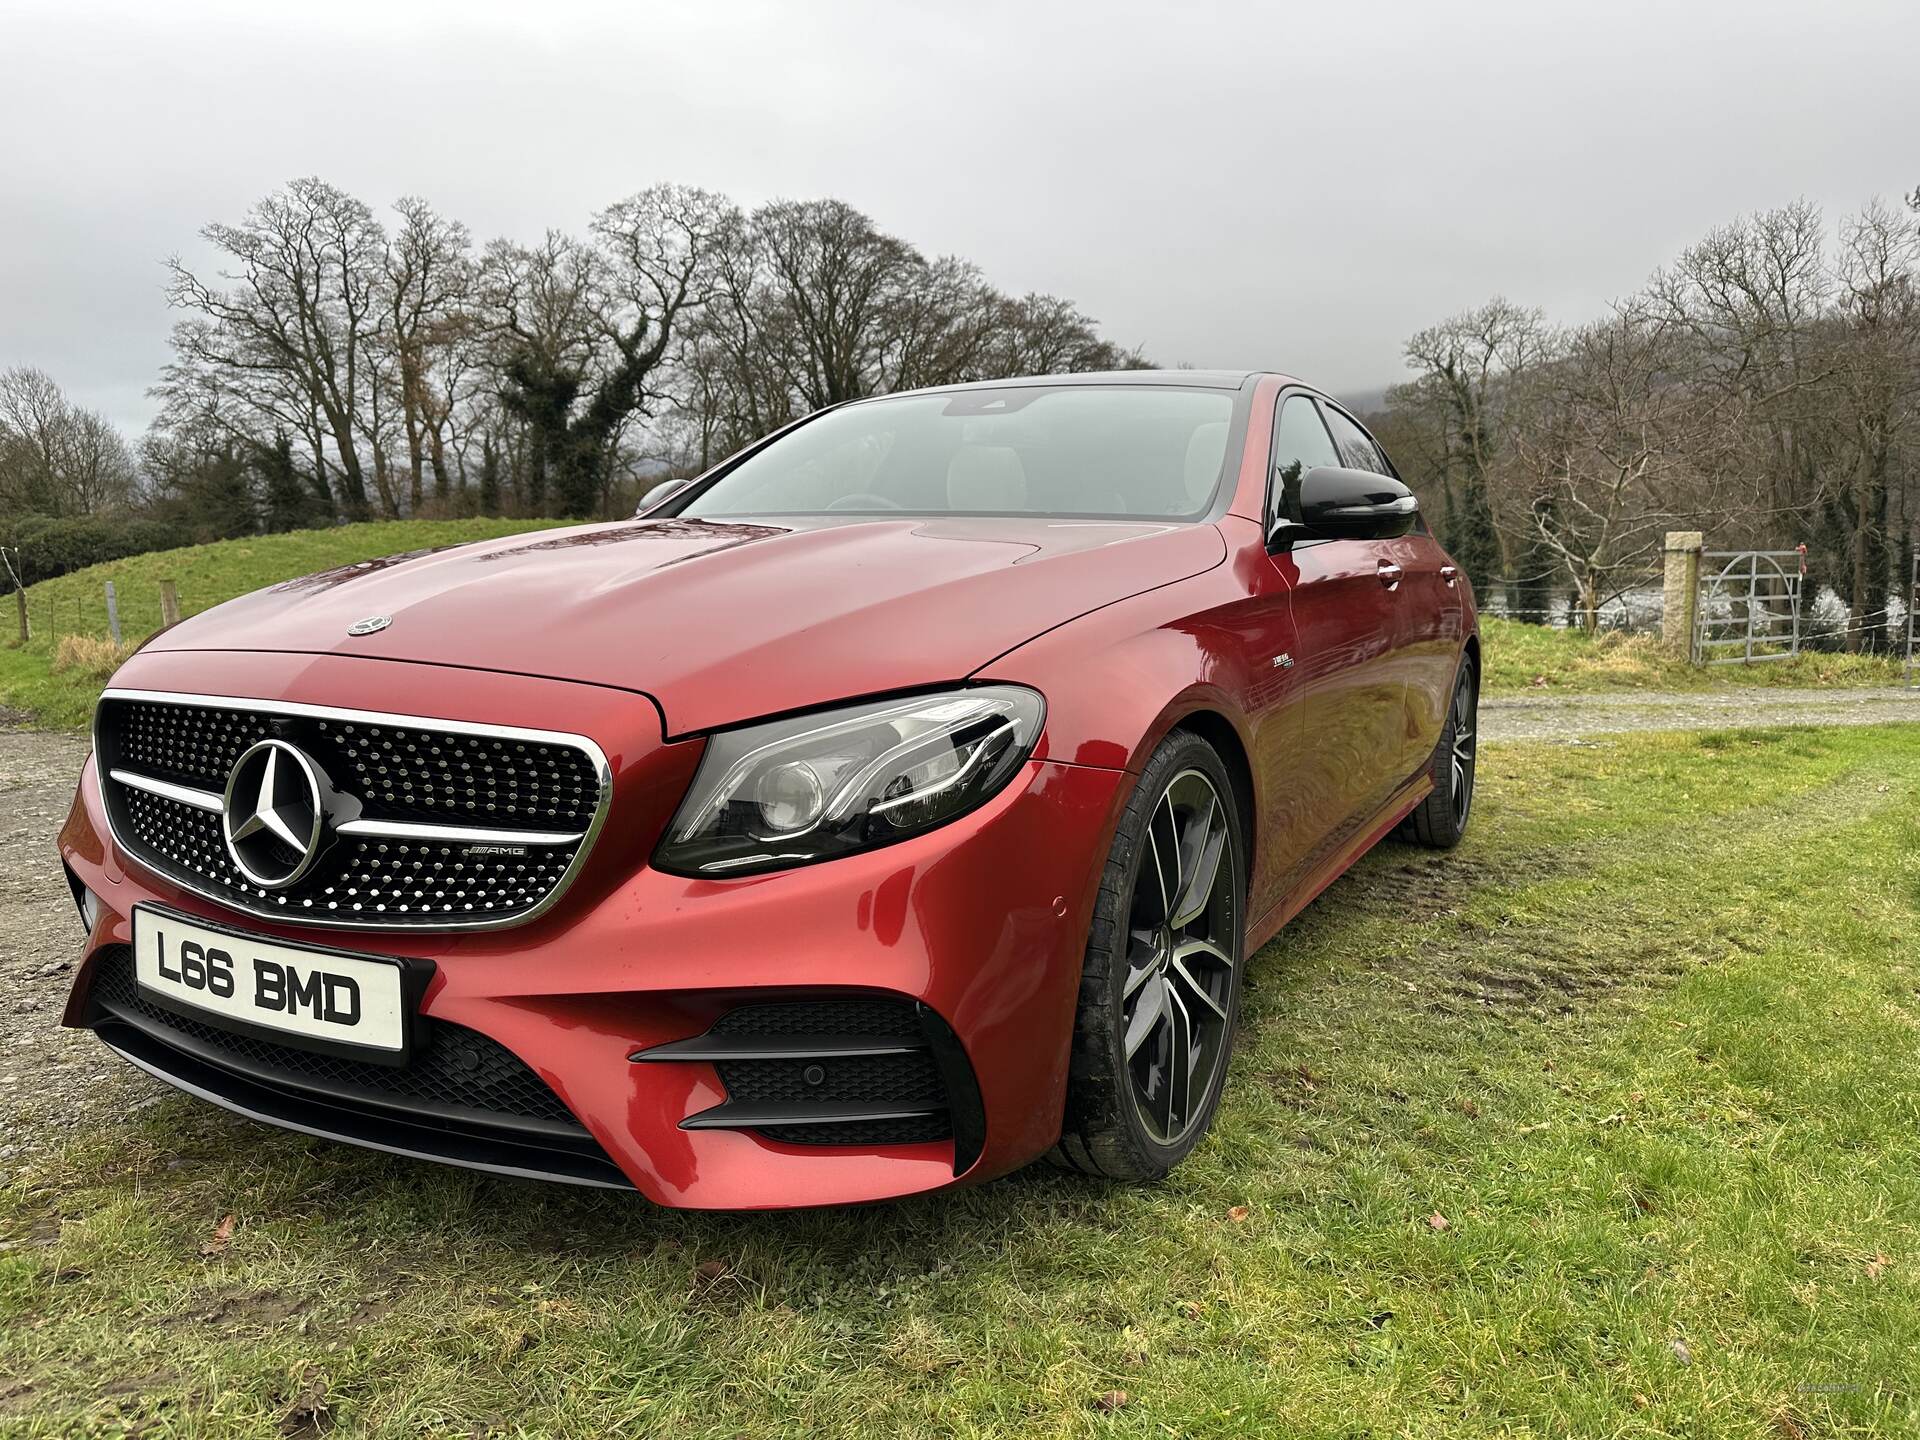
pixel 857 1070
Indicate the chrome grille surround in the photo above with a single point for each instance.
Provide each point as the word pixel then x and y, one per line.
pixel 425 807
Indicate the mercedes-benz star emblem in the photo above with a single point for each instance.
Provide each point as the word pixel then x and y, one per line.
pixel 369 626
pixel 272 814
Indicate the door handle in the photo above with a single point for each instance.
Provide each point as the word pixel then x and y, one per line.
pixel 1389 574
pixel 1450 574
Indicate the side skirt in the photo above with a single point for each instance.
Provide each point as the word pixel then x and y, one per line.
pixel 1402 805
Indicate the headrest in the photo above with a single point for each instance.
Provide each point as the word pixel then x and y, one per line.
pixel 1206 448
pixel 986 477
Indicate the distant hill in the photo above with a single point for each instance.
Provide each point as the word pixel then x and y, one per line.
pixel 1364 402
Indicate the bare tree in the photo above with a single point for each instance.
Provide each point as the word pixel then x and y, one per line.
pixel 32 416
pixel 1465 369
pixel 1876 392
pixel 559 371
pixel 56 458
pixel 293 320
pixel 1620 452
pixel 428 276
pixel 1750 296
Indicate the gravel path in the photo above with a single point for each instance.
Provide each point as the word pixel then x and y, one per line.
pixel 1567 717
pixel 51 1080
pixel 54 1080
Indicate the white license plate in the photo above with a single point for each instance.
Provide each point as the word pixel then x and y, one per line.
pixel 315 994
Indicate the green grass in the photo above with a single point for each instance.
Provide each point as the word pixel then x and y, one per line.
pixel 204 575
pixel 1522 659
pixel 1646 1042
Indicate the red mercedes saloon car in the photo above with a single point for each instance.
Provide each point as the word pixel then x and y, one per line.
pixel 894 804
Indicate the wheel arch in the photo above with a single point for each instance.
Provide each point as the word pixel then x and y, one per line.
pixel 1220 733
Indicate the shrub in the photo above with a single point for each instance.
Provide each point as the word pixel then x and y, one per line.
pixel 51 546
pixel 90 655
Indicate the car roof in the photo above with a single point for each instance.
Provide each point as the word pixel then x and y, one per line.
pixel 1198 379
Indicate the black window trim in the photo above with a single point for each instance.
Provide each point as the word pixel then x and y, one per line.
pixel 1323 403
pixel 1317 400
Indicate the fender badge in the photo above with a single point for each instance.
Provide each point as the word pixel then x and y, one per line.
pixel 371 625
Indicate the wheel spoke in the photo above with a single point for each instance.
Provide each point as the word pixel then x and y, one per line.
pixel 1149 1013
pixel 1463 746
pixel 1190 987
pixel 1165 860
pixel 1207 953
pixel 1178 1107
pixel 1196 890
pixel 1140 961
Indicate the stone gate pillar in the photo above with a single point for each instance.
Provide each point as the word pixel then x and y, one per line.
pixel 1680 590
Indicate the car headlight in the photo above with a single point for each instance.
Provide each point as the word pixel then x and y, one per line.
pixel 810 787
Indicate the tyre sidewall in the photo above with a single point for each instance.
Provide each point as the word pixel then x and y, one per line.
pixel 1180 753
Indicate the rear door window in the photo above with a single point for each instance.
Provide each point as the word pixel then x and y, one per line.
pixel 1357 450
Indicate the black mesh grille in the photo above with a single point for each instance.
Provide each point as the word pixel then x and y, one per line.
pixel 910 1081
pixel 861 1079
pixel 400 773
pixel 467 779
pixel 888 1018
pixel 450 1069
pixel 192 744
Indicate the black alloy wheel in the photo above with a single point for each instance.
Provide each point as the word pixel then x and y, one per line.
pixel 1440 820
pixel 1179 982
pixel 1160 991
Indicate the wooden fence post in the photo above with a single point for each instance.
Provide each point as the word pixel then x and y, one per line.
pixel 19 590
pixel 1680 590
pixel 169 603
pixel 113 613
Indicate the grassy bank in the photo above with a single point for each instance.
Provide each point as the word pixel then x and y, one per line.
pixel 204 575
pixel 1603 1125
pixel 1527 658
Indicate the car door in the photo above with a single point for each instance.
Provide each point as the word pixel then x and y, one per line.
pixel 1429 614
pixel 1348 688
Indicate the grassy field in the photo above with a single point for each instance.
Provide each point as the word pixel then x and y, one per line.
pixel 1606 1124
pixel 204 576
pixel 1529 658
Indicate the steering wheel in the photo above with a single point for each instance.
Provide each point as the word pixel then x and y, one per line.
pixel 862 500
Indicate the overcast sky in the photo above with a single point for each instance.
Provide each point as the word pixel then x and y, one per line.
pixel 1243 184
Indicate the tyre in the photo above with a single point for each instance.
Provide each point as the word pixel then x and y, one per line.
pixel 1441 819
pixel 1160 992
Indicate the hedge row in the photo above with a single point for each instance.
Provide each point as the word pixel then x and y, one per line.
pixel 51 546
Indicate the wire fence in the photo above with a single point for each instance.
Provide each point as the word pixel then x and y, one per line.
pixel 135 610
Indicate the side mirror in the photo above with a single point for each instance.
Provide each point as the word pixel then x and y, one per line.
pixel 665 490
pixel 1329 503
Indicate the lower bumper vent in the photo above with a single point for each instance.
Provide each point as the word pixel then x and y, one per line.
pixel 842 1071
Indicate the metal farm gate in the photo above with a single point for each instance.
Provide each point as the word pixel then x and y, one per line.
pixel 1749 606
pixel 1913 604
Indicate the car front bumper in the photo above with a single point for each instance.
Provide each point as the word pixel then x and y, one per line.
pixel 983 922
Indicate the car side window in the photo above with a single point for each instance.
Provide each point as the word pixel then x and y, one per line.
pixel 1360 451
pixel 1300 442
pixel 1357 450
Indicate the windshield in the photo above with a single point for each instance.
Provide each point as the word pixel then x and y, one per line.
pixel 1106 451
